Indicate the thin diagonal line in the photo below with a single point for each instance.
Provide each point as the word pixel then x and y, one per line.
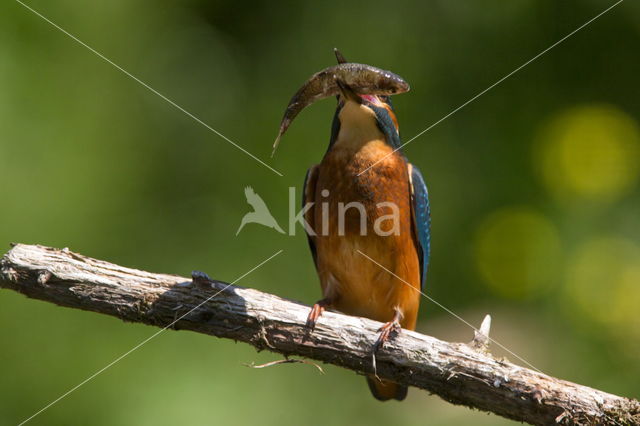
pixel 452 313
pixel 145 85
pixel 496 83
pixel 91 377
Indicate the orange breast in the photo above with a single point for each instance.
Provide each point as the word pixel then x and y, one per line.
pixel 358 285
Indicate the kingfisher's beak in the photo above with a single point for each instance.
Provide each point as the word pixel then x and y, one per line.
pixel 347 92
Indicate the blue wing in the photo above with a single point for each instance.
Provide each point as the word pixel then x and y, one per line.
pixel 421 214
pixel 308 196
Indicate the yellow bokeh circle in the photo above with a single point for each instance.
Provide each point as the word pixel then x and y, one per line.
pixel 590 152
pixel 603 284
pixel 517 252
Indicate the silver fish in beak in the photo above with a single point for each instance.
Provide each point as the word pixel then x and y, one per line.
pixel 358 78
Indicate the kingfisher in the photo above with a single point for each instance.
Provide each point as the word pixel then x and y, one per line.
pixel 369 215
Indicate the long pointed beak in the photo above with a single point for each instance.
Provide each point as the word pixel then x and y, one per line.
pixel 347 92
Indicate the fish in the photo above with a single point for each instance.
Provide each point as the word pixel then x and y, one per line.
pixel 361 78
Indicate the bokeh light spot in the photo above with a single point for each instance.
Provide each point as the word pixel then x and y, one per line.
pixel 603 284
pixel 517 252
pixel 589 152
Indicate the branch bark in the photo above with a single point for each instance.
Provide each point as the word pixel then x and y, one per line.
pixel 460 373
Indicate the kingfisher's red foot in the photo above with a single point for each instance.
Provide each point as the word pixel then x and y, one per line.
pixel 388 331
pixel 316 311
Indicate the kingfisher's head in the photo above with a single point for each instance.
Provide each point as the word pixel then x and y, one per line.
pixel 363 92
pixel 362 115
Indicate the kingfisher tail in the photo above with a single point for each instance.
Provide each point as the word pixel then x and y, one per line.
pixel 384 390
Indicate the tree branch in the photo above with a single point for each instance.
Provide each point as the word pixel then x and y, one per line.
pixel 459 373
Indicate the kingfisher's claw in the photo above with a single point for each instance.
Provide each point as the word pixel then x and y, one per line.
pixel 387 332
pixel 316 311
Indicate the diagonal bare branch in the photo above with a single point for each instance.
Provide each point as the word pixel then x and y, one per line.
pixel 457 372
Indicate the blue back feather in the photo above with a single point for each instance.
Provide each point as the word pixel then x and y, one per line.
pixel 422 215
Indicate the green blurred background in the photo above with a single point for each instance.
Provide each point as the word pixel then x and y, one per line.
pixel 534 191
